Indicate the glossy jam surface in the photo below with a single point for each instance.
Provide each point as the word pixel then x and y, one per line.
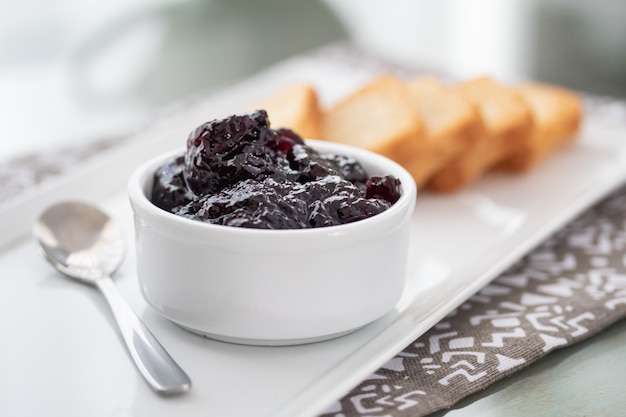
pixel 239 172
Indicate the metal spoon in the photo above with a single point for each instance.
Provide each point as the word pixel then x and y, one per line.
pixel 84 243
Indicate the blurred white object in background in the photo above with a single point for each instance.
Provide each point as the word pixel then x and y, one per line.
pixel 72 71
pixel 580 45
pixel 38 42
pixel 460 38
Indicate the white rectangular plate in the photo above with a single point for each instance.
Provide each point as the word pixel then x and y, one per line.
pixel 60 354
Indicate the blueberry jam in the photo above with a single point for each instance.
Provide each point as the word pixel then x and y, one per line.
pixel 239 172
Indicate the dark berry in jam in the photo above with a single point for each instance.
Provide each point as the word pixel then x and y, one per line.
pixel 169 190
pixel 221 153
pixel 239 172
pixel 386 188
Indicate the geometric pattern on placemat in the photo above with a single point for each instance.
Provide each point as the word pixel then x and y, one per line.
pixel 570 287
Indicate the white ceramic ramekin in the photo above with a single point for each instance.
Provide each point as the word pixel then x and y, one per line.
pixel 273 287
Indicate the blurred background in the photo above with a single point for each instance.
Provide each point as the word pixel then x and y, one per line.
pixel 73 70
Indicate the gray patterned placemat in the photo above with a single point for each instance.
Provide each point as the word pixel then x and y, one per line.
pixel 27 172
pixel 569 288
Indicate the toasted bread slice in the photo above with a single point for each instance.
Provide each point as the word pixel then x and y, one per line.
pixel 295 107
pixel 379 117
pixel 507 123
pixel 557 114
pixel 451 124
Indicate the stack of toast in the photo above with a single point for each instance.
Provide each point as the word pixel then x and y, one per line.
pixel 447 136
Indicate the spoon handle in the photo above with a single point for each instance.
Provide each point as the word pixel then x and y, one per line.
pixel 156 366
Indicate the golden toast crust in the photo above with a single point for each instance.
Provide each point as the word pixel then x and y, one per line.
pixel 450 122
pixel 379 117
pixel 446 136
pixel 507 123
pixel 295 107
pixel 557 115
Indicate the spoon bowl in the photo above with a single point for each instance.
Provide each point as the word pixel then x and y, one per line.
pixel 84 243
pixel 80 241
